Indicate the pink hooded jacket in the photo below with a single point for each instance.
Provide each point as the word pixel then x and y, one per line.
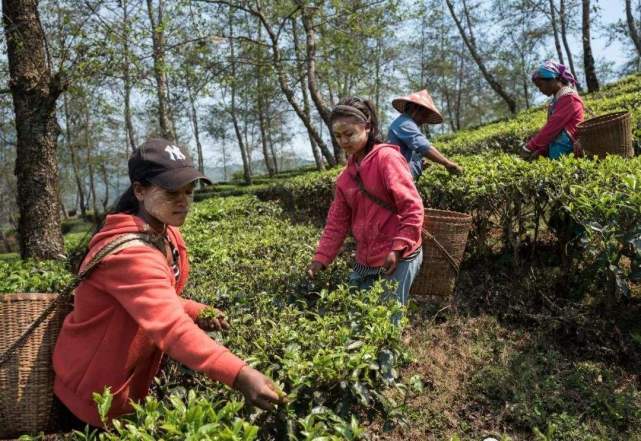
pixel 566 113
pixel 378 231
pixel 126 314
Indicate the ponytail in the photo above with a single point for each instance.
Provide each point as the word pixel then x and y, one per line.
pixel 126 203
pixel 362 110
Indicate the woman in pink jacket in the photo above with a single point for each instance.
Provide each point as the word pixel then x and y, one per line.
pixel 376 200
pixel 128 312
pixel 565 112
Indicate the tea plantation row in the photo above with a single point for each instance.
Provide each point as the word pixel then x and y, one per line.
pixel 590 210
pixel 333 351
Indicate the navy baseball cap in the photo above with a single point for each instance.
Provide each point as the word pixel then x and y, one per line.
pixel 163 163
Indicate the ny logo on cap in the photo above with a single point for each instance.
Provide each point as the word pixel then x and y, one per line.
pixel 174 153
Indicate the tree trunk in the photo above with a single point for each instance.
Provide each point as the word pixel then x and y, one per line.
pixel 270 141
pixel 194 123
pixel 239 135
pixel 34 91
pixel 263 136
pixel 591 79
pixel 89 159
pixel 566 45
pixel 74 160
pixel 302 76
pixel 469 42
pixel 323 109
pixel 555 30
pixel 284 85
pixel 632 28
pixel 105 180
pixel 129 127
pixel 158 40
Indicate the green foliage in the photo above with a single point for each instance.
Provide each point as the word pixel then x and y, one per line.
pixel 177 418
pixel 33 276
pixel 242 245
pixel 331 350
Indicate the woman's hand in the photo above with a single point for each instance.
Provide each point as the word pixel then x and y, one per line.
pixel 314 268
pixel 453 168
pixel 577 149
pixel 391 262
pixel 258 389
pixel 212 319
pixel 525 152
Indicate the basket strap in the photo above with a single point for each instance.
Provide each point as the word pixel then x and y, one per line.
pixel 375 199
pixel 455 266
pixel 67 292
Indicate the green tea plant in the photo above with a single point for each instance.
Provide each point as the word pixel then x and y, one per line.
pixel 33 276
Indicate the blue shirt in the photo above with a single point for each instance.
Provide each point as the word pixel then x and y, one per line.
pixel 404 132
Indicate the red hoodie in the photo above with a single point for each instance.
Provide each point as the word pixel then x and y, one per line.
pixel 126 314
pixel 377 230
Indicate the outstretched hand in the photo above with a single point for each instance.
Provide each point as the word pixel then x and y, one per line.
pixel 454 169
pixel 314 268
pixel 212 319
pixel 258 389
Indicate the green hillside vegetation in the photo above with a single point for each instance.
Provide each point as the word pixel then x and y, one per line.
pixel 541 340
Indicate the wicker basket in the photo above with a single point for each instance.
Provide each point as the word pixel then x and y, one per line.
pixel 607 134
pixel 26 379
pixel 449 230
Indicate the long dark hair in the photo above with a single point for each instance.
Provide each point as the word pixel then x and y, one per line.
pixel 363 111
pixel 126 203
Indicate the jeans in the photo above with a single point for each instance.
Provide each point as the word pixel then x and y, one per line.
pixel 405 273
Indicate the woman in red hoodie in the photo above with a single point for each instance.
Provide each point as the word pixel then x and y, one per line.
pixel 129 311
pixel 376 200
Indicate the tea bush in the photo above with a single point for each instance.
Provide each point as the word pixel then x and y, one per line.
pixel 509 135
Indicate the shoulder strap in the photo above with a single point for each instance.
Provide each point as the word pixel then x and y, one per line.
pixel 67 292
pixel 375 199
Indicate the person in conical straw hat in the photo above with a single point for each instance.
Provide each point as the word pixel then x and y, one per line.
pixel 417 109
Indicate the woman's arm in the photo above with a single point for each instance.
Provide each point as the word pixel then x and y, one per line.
pixel 139 279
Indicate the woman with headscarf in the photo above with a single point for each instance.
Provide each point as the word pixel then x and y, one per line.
pixel 558 136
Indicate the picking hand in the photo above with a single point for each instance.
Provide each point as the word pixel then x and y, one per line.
pixel 391 262
pixel 454 169
pixel 258 389
pixel 212 319
pixel 314 268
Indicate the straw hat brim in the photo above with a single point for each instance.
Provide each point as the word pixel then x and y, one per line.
pixel 433 116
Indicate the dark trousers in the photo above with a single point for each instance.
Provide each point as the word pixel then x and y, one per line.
pixel 67 421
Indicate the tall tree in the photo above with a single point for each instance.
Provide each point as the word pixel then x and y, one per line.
pixel 471 46
pixel 322 107
pixel 302 79
pixel 279 67
pixel 632 27
pixel 555 30
pixel 35 91
pixel 157 22
pixel 233 111
pixel 591 79
pixel 563 18
pixel 126 75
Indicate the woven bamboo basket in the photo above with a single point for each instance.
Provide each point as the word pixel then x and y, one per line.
pixel 439 270
pixel 609 134
pixel 26 379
